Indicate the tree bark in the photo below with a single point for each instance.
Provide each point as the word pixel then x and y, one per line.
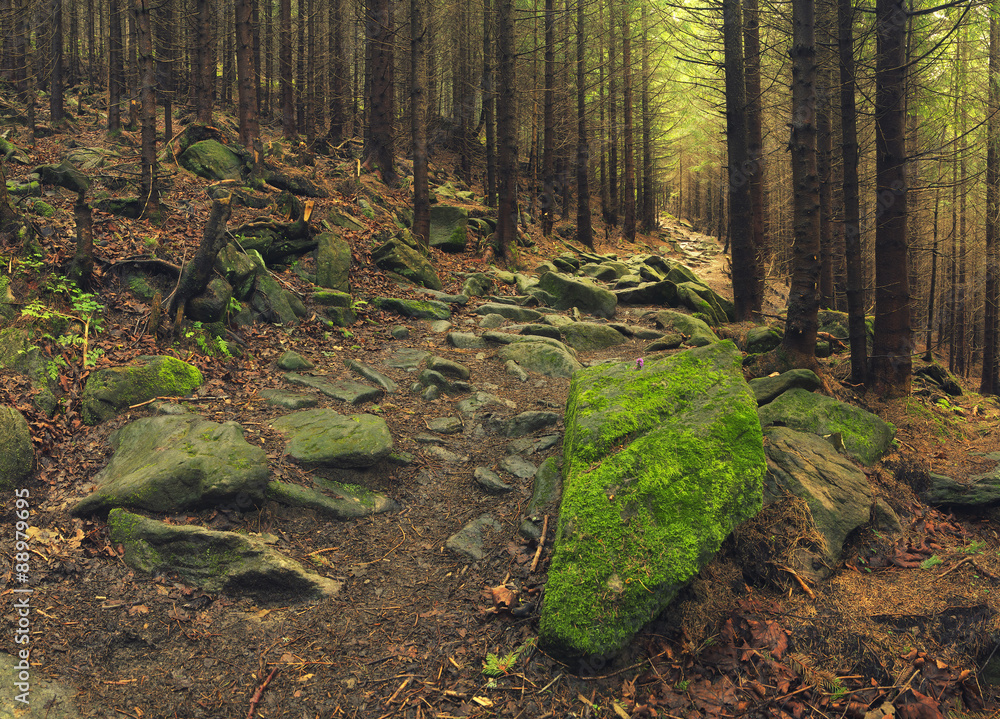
pixel 418 126
pixel 803 302
pixel 990 380
pixel 285 71
pixel 379 148
pixel 249 130
pixel 338 74
pixel 194 279
pixel 649 222
pixel 891 363
pixel 56 87
pixel 547 197
pixel 612 217
pixel 584 229
pixel 165 58
pixel 628 183
pixel 147 80
pixel 755 141
pixel 116 67
pixel 82 266
pixel 489 104
pixel 205 60
pixel 506 132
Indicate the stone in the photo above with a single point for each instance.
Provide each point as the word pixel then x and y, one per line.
pixel 588 336
pixel 111 390
pixel 545 493
pixel 761 339
pixel 941 377
pixel 440 326
pixel 175 463
pixel 293 362
pixel 465 341
pixel 17 459
pixel 212 304
pixel 448 367
pixel 470 405
pixel 699 298
pixel 510 312
pixel 430 393
pixel 490 481
pixel 446 425
pixel 326 438
pixel 332 499
pixel 866 437
pixel 766 389
pixel 836 491
pixel 698 333
pixel 515 370
pixel 468 542
pixel 448 224
pixel 271 301
pixel 518 466
pixel 395 256
pixel 399 332
pixel 212 160
pixel 661 465
pixel 477 284
pixel 663 292
pixel 227 562
pixel 239 269
pixel 372 375
pixel 492 321
pixel 288 400
pixel 665 342
pixel 528 422
pixel 444 455
pixel 407 359
pixel 573 292
pixel 63 175
pixel 420 309
pixel 333 262
pixel 540 357
pixel 982 491
pixel 545 330
pixel 341 390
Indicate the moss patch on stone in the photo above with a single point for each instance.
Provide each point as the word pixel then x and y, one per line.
pixel 111 390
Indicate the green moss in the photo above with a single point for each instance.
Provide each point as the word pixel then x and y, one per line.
pixel 44 209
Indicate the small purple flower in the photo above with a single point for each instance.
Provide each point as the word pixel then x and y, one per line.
pixel 638 363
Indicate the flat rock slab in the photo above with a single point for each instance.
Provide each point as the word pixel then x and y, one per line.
pixel 510 312
pixel 448 367
pixel 446 425
pixel 470 405
pixel 518 466
pixel 468 542
pixel 174 463
pixel 342 390
pixel 982 492
pixel 293 362
pixel 419 309
pixel 330 439
pixel 372 375
pixel 466 341
pixel 541 357
pixel 588 336
pixel 444 455
pixel 332 499
pixel 288 400
pixel 407 359
pixel 767 389
pixel 490 481
pixel 113 389
pixel 216 561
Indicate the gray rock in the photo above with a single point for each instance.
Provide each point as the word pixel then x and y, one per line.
pixel 572 292
pixel 469 406
pixel 884 518
pixel 836 491
pixel 528 422
pixel 212 160
pixel 448 367
pixel 439 326
pixel 175 463
pixel 288 400
pixel 407 359
pixel 661 292
pixel 272 302
pixel 341 390
pixel 477 284
pixel 866 437
pixel 492 321
pixel 761 339
pixel 941 377
pixel 431 393
pixel 239 269
pixel 226 562
pixel 326 438
pixel 698 332
pixel 448 225
pixel 665 342
pixel 446 425
pixel 372 375
pixel 518 466
pixel 515 370
pixel 57 698
pixel 766 389
pixel 510 312
pixel 212 304
pixel 465 340
pixel 18 456
pixel 587 336
pixel 331 499
pixel 490 481
pixel 538 330
pixel 545 493
pixel 444 455
pixel 468 542
pixel 333 262
pixel 540 357
pixel 113 389
pixel 420 309
pixel 661 466
pixel 293 362
pixel 395 256
pixel 981 492
pixel 445 297
pixel 400 332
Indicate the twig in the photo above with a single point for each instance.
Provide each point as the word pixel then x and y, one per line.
pixel 800 580
pixel 255 699
pixel 952 569
pixel 541 544
pixel 401 688
pixel 178 399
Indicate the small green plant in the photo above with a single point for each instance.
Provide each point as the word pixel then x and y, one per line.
pixel 207 343
pixel 497 666
pixel 931 561
pixel 837 690
pixel 358 304
pixel 682 685
pixel 976 547
pixel 84 311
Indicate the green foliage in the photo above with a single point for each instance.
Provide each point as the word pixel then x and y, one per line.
pixel 931 561
pixel 70 328
pixel 497 666
pixel 208 344
pixel 975 547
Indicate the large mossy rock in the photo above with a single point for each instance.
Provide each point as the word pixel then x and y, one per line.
pixel 216 561
pixel 114 389
pixel 835 490
pixel 981 492
pixel 212 160
pixel 762 339
pixel 18 456
pixel 448 225
pixel 396 256
pixel 239 269
pixel 178 462
pixel 212 304
pixel 419 309
pixel 866 437
pixel 542 355
pixel 19 354
pixel 569 292
pixel 64 175
pixel 698 332
pixel 766 389
pixel 659 466
pixel 330 439
pixel 588 336
pixel 333 262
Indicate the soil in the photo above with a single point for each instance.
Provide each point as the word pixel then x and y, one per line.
pixel 416 631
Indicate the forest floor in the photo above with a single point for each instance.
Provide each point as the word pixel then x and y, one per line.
pixel 415 632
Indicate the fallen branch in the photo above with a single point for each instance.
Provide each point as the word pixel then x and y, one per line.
pixel 178 399
pixel 800 580
pixel 541 544
pixel 255 699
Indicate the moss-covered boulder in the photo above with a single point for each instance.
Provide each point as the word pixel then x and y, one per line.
pixel 588 336
pixel 212 160
pixel 332 499
pixel 766 389
pixel 395 256
pixel 866 437
pixel 448 225
pixel 333 262
pixel 63 175
pixel 272 302
pixel 659 466
pixel 239 564
pixel 662 292
pixel 699 298
pixel 761 339
pixel 114 389
pixel 18 456
pixel 697 332
pixel 239 269
pixel 212 304
pixel 177 462
pixel 327 438
pixel 19 354
pixel 542 355
pixel 419 309
pixel 583 294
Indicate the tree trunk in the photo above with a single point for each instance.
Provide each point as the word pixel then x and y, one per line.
pixel 990 381
pixel 755 142
pixel 928 346
pixel 857 329
pixel 612 217
pixel 165 58
pixel 489 104
pixel 584 230
pixel 803 301
pixel 379 149
pixel 285 71
pixel 547 198
pixel 418 126
pixel 605 193
pixel 506 132
pixel 628 184
pixel 56 87
pixel 824 166
pixel 194 279
pixel 300 68
pixel 116 67
pixel 205 58
pixel 249 130
pixel 147 80
pixel 338 74
pixel 649 222
pixel 82 266
pixel 891 363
